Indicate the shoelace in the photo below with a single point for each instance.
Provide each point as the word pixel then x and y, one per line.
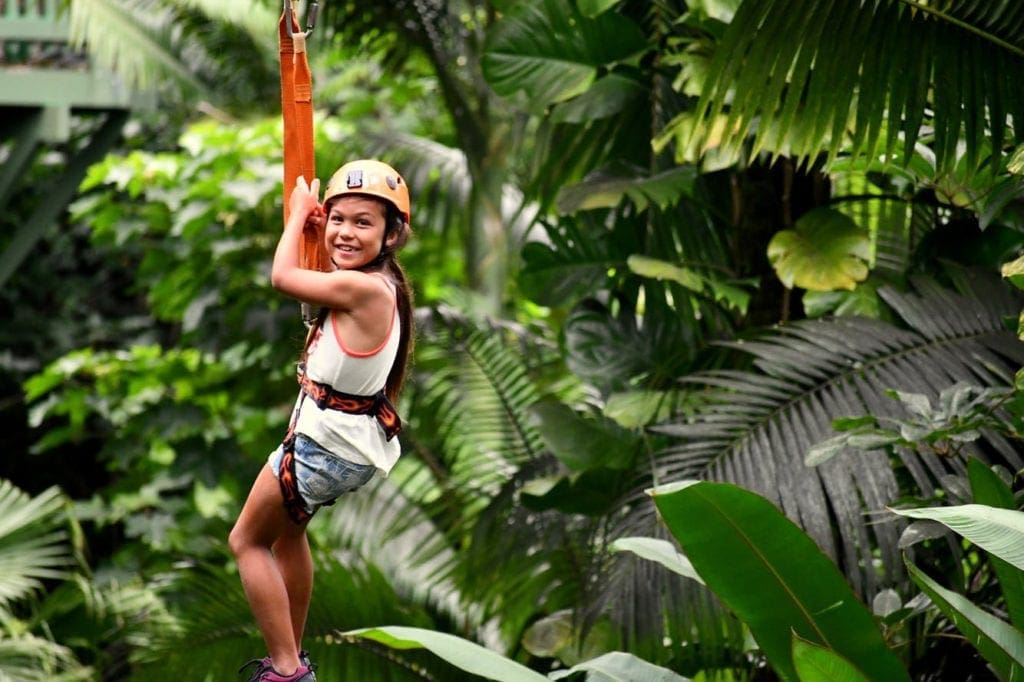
pixel 261 664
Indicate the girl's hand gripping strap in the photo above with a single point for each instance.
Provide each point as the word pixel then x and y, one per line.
pixel 297 113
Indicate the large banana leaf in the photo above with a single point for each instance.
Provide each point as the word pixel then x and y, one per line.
pixel 461 653
pixel 988 488
pixel 754 427
pixel 1000 644
pixel 997 531
pixel 773 576
pixel 778 66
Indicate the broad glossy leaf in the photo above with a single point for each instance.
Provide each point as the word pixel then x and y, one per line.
pixel 988 488
pixel 619 666
pixel 551 52
pixel 594 492
pixel 606 97
pixel 824 251
pixel 660 551
pixel 1000 644
pixel 773 576
pixel 997 531
pixel 461 653
pixel 581 443
pixel 815 663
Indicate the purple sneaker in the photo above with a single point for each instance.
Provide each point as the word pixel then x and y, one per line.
pixel 303 674
pixel 264 672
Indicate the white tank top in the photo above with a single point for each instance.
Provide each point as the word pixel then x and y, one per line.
pixel 356 437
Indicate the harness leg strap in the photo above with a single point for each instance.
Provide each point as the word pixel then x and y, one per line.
pixel 289 482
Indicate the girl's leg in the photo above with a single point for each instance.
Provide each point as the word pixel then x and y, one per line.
pixel 262 522
pixel 296 565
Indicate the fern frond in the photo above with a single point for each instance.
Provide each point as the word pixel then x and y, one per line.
pixel 755 427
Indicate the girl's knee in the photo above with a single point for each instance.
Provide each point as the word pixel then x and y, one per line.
pixel 240 540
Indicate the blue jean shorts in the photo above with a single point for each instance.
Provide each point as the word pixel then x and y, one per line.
pixel 323 477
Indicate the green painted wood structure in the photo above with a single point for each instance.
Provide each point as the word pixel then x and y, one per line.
pixel 46 87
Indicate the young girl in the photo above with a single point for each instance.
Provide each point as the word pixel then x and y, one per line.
pixel 344 425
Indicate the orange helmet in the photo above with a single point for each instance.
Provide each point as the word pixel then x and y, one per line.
pixel 372 178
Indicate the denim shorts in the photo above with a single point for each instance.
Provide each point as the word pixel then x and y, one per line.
pixel 323 477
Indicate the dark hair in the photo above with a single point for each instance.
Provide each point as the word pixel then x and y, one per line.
pixel 395 224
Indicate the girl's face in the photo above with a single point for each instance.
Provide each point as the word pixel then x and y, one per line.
pixel 354 231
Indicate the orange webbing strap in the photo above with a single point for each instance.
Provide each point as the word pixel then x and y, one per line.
pixel 297 112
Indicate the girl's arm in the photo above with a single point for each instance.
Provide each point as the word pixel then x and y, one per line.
pixel 347 290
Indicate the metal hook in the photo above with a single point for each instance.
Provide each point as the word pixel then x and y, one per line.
pixel 311 15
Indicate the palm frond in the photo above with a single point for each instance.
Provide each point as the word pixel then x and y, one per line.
pixel 383 525
pixel 33 544
pixel 755 427
pixel 480 444
pixel 33 659
pixel 222 52
pixel 482 394
pixel 953 65
pixel 139 51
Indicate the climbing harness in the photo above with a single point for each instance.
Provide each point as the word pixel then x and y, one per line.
pixel 327 398
pixel 297 114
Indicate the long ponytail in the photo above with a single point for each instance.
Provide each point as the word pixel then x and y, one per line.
pixel 403 292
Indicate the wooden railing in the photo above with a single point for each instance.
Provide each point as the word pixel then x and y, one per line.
pixel 23 22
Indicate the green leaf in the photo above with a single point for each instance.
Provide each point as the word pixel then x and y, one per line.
pixel 1000 644
pixel 552 52
pixel 606 97
pixel 461 653
pixel 988 488
pixel 602 191
pixel 593 492
pixel 660 551
pixel 824 251
pixel 618 666
pixel 33 547
pixel 591 8
pixel 773 576
pixel 998 531
pixel 1014 271
pixel 815 663
pixel 581 443
pixel 659 269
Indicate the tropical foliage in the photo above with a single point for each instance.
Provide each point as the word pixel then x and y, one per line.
pixel 727 242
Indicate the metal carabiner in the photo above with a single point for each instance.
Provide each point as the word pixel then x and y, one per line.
pixel 311 14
